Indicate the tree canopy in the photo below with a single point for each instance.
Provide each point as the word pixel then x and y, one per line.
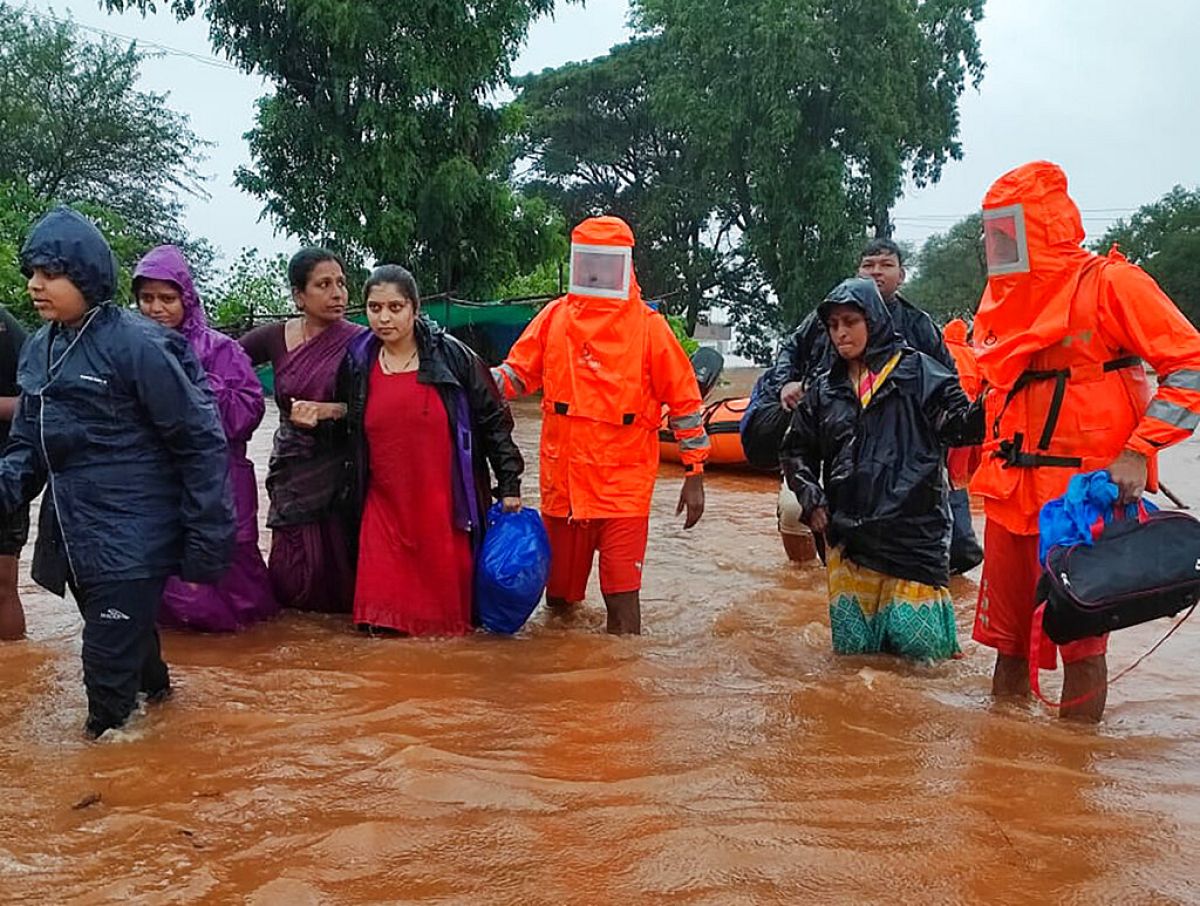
pixel 1163 237
pixel 600 143
pixel 753 146
pixel 951 271
pixel 75 128
pixel 806 116
pixel 379 138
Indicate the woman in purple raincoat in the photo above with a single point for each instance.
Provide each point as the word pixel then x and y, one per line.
pixel 162 285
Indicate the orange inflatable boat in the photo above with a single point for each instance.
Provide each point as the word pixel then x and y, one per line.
pixel 721 419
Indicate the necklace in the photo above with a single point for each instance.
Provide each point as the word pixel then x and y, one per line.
pixel 383 357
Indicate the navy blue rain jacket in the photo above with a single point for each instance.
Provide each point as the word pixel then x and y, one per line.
pixel 116 417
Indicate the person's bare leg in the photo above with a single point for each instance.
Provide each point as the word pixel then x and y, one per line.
pixel 560 607
pixel 1010 678
pixel 1089 675
pixel 799 548
pixel 624 613
pixel 12 614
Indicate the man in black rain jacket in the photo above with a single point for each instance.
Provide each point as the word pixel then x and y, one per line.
pixel 117 421
pixel 807 354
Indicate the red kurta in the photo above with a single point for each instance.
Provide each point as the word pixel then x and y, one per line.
pixel 414 567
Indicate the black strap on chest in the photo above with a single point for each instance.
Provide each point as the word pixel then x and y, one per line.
pixel 1011 451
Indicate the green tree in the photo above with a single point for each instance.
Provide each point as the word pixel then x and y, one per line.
pixel 807 116
pixel 951 271
pixel 379 137
pixel 74 128
pixel 1164 238
pixel 255 286
pixel 600 144
pixel 548 279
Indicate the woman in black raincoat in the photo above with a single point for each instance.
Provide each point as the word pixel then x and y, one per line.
pixel 864 455
pixel 117 422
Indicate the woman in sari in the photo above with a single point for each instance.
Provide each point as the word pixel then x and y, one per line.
pixel 310 563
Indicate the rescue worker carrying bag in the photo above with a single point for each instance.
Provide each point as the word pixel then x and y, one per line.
pixel 1136 570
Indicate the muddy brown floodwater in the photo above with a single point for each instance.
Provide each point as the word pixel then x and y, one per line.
pixel 725 757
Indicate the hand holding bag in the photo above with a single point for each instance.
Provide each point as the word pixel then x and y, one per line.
pixel 511 569
pixel 1137 570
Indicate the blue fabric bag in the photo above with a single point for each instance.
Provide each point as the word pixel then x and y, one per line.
pixel 1068 520
pixel 511 570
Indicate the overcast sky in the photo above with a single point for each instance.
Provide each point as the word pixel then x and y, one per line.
pixel 1105 88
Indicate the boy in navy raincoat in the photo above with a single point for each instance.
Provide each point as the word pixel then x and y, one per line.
pixel 117 422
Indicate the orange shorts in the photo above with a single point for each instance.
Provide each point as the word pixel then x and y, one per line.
pixel 1008 597
pixel 573 542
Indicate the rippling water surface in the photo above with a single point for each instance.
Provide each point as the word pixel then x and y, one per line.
pixel 723 757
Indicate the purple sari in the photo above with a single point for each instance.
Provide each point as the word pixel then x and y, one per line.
pixel 310 562
pixel 244 595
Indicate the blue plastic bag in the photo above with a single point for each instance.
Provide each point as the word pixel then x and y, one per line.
pixel 511 570
pixel 1068 519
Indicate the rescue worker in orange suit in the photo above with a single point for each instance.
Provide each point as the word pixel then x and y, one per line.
pixel 1060 337
pixel 961 462
pixel 606 365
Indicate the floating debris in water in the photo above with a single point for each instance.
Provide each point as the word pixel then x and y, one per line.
pixel 87 801
pixel 868 676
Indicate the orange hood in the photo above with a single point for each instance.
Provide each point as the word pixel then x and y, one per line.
pixel 955 331
pixel 600 328
pixel 610 233
pixel 1027 309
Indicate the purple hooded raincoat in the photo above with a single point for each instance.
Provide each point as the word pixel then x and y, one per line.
pixel 244 595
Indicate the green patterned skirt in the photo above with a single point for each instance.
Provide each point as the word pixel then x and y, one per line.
pixel 873 613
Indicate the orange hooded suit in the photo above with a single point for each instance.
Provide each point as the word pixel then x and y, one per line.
pixel 962 461
pixel 1060 339
pixel 606 365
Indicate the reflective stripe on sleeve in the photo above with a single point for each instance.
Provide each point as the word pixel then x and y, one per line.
pixel 1183 380
pixel 1174 415
pixel 686 422
pixel 507 371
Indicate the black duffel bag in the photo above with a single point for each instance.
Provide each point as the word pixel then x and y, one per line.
pixel 1137 570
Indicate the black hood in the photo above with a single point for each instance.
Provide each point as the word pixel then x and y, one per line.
pixel 863 294
pixel 65 242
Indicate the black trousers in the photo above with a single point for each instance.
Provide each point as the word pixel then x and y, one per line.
pixel 962 538
pixel 121 652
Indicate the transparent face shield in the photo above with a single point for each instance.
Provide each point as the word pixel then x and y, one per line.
pixel 601 270
pixel 1005 241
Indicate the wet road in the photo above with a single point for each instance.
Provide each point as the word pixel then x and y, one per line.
pixel 725 757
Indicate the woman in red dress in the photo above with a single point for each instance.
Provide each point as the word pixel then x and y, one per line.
pixel 425 421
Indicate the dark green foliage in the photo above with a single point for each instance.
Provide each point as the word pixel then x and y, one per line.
pixel 75 128
pixel 1164 238
pixel 951 271
pixel 254 287
pixel 379 138
pixel 806 116
pixel 600 144
pixel 752 146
